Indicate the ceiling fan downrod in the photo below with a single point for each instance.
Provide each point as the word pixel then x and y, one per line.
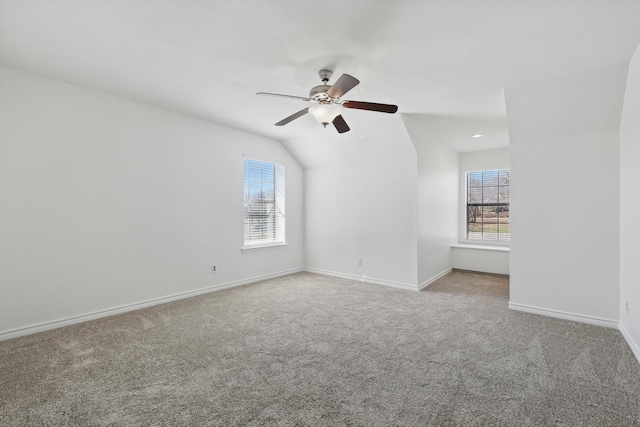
pixel 325 75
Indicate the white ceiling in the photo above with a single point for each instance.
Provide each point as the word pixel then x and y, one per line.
pixel 445 63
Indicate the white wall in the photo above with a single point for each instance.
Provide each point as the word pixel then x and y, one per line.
pixel 437 222
pixel 362 204
pixel 106 202
pixel 487 259
pixel 565 195
pixel 630 207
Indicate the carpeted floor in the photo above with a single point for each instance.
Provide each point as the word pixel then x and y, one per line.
pixel 314 350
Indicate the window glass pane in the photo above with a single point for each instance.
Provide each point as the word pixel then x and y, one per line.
pixel 475 195
pixel 474 179
pixel 504 227
pixel 504 234
pixel 254 169
pixel 267 172
pixel 489 223
pixel 255 189
pixel 503 194
pixel 490 195
pixel 490 178
pixel 504 177
pixel 474 230
pixel 267 190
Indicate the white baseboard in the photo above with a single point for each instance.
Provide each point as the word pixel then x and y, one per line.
pixel 45 326
pixel 607 323
pixel 373 281
pixel 429 282
pixel 635 348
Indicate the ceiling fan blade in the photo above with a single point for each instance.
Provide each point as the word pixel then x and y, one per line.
pixel 284 96
pixel 343 85
pixel 340 124
pixel 293 117
pixel 371 106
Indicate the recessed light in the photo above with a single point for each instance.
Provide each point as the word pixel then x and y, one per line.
pixel 477 135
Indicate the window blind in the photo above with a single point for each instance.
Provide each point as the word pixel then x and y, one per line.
pixel 488 205
pixel 264 204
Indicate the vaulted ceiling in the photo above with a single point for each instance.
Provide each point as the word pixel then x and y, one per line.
pixel 445 63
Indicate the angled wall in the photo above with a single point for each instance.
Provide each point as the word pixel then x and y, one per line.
pixel 437 197
pixel 106 204
pixel 630 208
pixel 565 202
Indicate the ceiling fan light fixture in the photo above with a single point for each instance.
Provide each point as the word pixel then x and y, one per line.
pixel 324 113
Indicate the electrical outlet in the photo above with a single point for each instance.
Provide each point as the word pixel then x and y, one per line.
pixel 213 268
pixel 359 261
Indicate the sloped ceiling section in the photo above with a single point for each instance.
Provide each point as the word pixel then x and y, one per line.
pixel 372 135
pixel 575 104
pixel 209 58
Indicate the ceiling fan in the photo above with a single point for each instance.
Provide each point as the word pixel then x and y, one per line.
pixel 327 98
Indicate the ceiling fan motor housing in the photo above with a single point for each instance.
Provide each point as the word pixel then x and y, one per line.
pixel 319 94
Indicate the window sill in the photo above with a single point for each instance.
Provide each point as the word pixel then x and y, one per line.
pixel 262 246
pixel 481 247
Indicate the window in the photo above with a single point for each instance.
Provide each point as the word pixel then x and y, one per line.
pixel 488 206
pixel 263 203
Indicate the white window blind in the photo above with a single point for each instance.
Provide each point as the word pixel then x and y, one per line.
pixel 488 205
pixel 264 210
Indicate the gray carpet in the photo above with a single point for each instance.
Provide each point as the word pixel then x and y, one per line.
pixel 313 350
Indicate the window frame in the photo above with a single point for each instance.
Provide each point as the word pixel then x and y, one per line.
pixel 483 242
pixel 277 184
